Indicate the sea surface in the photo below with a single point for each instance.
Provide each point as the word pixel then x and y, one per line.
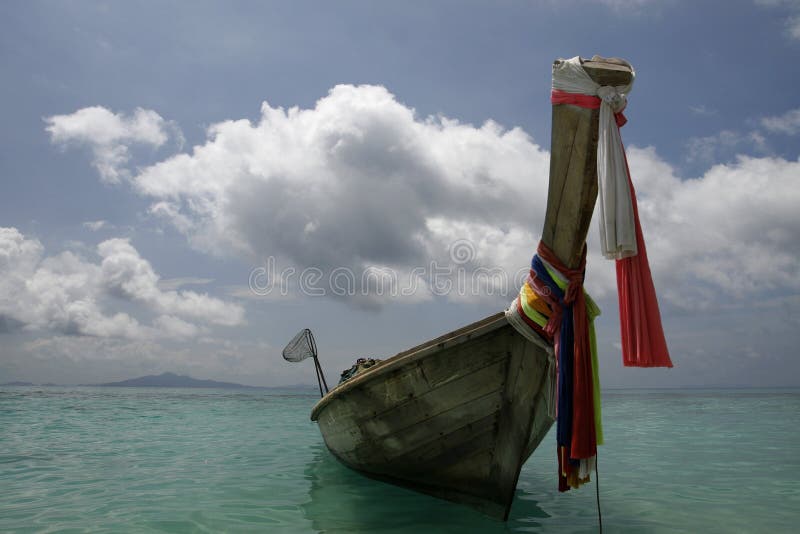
pixel 185 460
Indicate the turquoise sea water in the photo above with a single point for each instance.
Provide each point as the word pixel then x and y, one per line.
pixel 182 460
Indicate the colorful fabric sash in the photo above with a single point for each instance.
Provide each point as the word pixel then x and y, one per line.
pixel 552 303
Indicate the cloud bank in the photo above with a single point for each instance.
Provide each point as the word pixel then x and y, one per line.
pixel 359 181
pixel 356 182
pixel 68 294
pixel 109 136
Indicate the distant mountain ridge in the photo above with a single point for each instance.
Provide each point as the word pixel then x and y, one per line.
pixel 172 380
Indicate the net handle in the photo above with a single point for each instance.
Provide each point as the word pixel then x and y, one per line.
pixel 317 367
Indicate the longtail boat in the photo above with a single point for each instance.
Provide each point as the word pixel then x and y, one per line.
pixel 454 418
pixel 458 416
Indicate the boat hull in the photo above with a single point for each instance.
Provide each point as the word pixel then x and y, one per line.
pixel 455 417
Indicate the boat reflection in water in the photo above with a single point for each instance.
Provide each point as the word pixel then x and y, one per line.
pixel 342 500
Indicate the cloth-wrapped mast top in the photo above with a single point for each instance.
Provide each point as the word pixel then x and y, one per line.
pixel 614 206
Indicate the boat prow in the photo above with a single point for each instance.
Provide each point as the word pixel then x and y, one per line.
pixel 455 417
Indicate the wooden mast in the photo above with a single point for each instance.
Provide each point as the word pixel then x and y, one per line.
pixel 573 166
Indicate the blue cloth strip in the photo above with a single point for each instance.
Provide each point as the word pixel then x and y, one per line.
pixel 565 357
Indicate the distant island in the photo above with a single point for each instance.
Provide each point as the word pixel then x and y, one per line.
pixel 171 380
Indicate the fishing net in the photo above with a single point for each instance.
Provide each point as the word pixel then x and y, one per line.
pixel 302 346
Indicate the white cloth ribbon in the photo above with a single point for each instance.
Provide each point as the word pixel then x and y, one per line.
pixel 617 226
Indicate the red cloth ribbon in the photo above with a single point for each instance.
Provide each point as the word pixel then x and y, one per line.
pixel 642 335
pixel 584 101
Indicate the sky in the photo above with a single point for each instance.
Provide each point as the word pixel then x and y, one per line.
pixel 185 185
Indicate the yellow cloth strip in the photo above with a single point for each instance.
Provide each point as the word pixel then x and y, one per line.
pixel 598 416
pixel 535 301
pixel 525 297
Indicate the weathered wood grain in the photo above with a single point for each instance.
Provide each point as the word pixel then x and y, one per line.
pixel 418 438
pixel 418 353
pixel 572 189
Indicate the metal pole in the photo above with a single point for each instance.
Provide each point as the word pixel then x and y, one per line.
pixel 316 368
pixel 313 345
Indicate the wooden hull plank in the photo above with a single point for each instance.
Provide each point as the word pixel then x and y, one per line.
pixel 421 435
pixel 416 410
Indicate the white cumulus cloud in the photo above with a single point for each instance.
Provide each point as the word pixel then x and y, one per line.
pixel 69 294
pixel 731 233
pixel 109 135
pixel 788 123
pixel 354 182
pixel 359 182
pixel 125 273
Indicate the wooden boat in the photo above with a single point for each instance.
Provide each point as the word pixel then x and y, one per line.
pixel 458 416
pixel 455 417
